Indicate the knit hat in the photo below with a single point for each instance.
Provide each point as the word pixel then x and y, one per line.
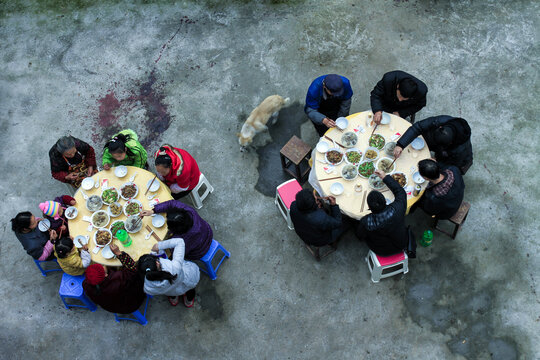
pixel 376 201
pixel 95 274
pixel 50 208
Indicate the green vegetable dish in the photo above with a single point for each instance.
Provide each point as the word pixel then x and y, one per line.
pixel 132 208
pixel 366 169
pixel 117 225
pixel 110 196
pixel 377 141
pixel 354 157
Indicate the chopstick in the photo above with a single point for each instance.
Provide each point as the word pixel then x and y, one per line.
pixel 334 141
pixel 375 128
pixel 154 233
pixel 363 201
pixel 332 178
pixel 390 166
pixel 149 186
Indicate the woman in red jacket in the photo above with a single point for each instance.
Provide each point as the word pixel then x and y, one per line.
pixel 178 169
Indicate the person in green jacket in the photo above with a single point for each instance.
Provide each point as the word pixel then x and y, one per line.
pixel 124 149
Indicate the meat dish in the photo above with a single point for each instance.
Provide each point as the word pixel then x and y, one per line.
pixel 103 237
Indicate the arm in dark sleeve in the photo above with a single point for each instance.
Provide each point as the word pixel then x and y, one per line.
pixel 345 107
pixel 314 115
pixel 418 128
pixel 413 108
pixel 377 95
pixel 360 231
pixel 56 171
pixel 430 203
pixel 399 193
pixel 127 261
pixel 169 205
pixel 332 221
pixel 313 100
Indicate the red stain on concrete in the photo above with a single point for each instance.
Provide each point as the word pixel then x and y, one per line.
pixel 108 105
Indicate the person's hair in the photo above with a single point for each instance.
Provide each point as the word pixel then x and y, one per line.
pixel 443 136
pixel 407 87
pixel 21 221
pixel 148 269
pixel 163 160
pixel 65 143
pixel 305 200
pixel 63 246
pixel 429 169
pixel 117 144
pixel 376 201
pixel 179 221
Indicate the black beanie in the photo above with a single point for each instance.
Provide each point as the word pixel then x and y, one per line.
pixel 305 200
pixel 444 136
pixel 376 201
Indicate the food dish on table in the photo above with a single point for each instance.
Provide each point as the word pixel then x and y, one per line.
pixel 384 165
pixel 401 178
pixel 371 154
pixel 353 156
pixel 389 148
pixel 109 195
pixel 377 141
pixel 349 172
pixel 71 212
pixel 366 168
pixel 334 156
pixel 133 224
pixel 132 207
pixel 115 209
pixel 129 191
pixel 102 237
pixel 100 219
pixel 375 182
pixel 349 139
pixel 117 225
pixel 94 203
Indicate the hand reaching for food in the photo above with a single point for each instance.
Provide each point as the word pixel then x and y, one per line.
pixel 397 151
pixel 71 176
pixel 84 247
pixel 155 248
pixel 147 212
pixel 377 117
pixel 380 173
pixel 106 166
pixel 115 250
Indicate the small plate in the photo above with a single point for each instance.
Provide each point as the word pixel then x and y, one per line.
pixel 107 252
pixel 80 240
pixel 337 188
pixel 44 225
pixel 342 123
pixel 417 178
pixel 158 220
pixel 322 146
pixel 120 171
pixel 71 212
pixel 418 144
pixel 155 185
pixel 385 118
pixel 134 195
pixel 95 234
pixel 132 201
pixel 87 183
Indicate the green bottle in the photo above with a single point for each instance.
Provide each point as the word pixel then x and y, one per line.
pixel 124 237
pixel 427 238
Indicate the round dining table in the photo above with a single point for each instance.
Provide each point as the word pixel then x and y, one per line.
pixel 352 202
pixel 141 244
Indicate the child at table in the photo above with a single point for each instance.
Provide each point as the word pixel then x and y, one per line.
pixel 69 258
pixel 54 212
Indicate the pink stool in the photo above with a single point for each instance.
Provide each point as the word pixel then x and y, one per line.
pixel 285 195
pixel 386 266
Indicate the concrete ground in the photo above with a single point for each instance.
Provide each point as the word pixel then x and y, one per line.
pixel 188 73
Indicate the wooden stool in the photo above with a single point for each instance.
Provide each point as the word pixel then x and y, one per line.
pixel 295 152
pixel 315 250
pixel 457 219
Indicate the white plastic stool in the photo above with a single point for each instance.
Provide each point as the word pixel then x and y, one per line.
pixel 195 197
pixel 285 195
pixel 385 266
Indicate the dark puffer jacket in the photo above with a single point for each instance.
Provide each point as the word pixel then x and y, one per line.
pixel 385 232
pixel 459 153
pixel 447 205
pixel 315 227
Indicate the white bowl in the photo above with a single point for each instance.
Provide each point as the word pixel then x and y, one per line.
pixel 100 212
pixel 109 188
pixel 95 234
pixel 391 144
pixel 363 162
pixel 385 118
pixel 352 169
pixel 44 225
pixel 158 220
pixel 79 241
pixel 375 179
pixel 418 143
pixel 107 253
pixel 128 198
pixel 353 139
pixel 109 210
pixel 155 185
pixel 374 149
pixel 128 220
pixel 337 188
pixel 334 149
pixel 417 178
pixel 322 146
pixel 342 123
pixel 71 210
pixel 132 201
pixel 87 183
pixel 406 178
pixel 387 159
pixel 352 150
pixel 120 171
pixel 381 135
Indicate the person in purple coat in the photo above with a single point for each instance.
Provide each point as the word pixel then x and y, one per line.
pixel 184 222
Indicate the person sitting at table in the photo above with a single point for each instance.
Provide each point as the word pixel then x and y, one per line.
pixel 184 222
pixel 124 149
pixel 72 160
pixel 170 277
pixel 70 260
pixel 312 224
pixel 54 212
pixel 36 243
pixel 398 93
pixel 447 136
pixel 115 290
pixel 445 190
pixel 384 229
pixel 178 169
pixel 328 97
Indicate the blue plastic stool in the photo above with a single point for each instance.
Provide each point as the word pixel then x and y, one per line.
pixel 209 256
pixel 43 271
pixel 71 287
pixel 140 318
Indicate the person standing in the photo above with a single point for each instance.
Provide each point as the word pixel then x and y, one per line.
pixel 398 93
pixel 328 97
pixel 72 160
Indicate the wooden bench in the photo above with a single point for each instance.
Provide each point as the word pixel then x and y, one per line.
pixel 457 219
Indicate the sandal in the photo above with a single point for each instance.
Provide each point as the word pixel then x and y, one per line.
pixel 188 303
pixel 174 300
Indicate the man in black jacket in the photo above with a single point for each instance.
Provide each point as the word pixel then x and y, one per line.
pixel 445 191
pixel 447 136
pixel 399 93
pixel 313 225
pixel 384 229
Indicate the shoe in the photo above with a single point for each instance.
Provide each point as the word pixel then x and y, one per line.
pixel 188 303
pixel 174 300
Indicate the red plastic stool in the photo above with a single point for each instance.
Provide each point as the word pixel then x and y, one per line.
pixel 386 266
pixel 285 195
